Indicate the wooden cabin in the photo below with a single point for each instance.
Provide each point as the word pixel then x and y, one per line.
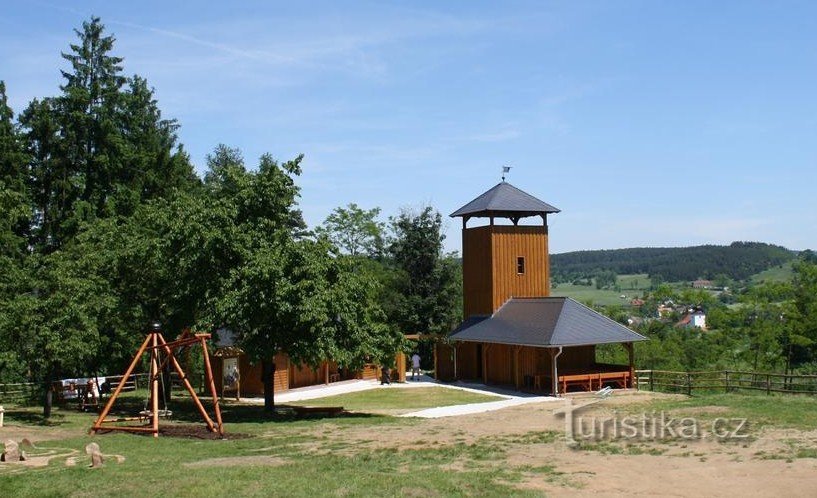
pixel 228 359
pixel 514 333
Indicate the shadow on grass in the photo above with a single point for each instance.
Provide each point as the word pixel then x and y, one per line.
pixel 185 410
pixel 28 416
pixel 256 414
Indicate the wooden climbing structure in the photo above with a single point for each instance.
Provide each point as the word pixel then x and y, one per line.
pixel 162 354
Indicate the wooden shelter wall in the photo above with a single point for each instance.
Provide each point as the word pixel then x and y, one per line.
pixel 577 358
pixel 503 365
pixel 370 371
pixel 507 244
pixel 476 271
pixel 250 380
pixel 281 380
pixel 217 365
pixel 499 363
pixel 302 375
pixel 445 362
pixel 533 361
pixel 467 361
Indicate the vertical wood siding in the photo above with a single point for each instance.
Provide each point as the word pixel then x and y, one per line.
pixel 509 243
pixel 467 361
pixel 477 271
pixel 489 257
pixel 499 364
pixel 445 362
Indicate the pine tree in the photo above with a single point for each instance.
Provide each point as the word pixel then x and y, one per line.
pixel 100 148
pixel 14 199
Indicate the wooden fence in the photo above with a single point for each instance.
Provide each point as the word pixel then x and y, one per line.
pixel 724 381
pixel 26 391
pixel 18 392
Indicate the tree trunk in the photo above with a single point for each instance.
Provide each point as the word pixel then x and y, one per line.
pixel 268 378
pixel 49 399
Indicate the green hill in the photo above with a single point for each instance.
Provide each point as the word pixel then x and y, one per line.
pixel 737 261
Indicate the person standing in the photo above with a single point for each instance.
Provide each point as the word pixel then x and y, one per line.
pixel 415 366
pixel 385 375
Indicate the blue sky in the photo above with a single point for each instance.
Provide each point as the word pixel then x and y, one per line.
pixel 648 123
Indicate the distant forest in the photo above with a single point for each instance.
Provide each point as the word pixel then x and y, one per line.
pixel 737 261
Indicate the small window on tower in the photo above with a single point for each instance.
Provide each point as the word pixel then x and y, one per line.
pixel 520 265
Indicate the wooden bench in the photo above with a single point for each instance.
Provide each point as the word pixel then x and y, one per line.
pixel 621 379
pixel 587 381
pixel 306 411
pixel 595 380
pixel 583 380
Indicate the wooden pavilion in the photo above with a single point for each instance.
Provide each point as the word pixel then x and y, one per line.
pixel 514 334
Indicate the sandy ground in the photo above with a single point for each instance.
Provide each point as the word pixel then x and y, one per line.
pixel 701 467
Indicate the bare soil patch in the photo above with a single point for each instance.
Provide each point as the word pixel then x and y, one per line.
pixel 188 431
pixel 706 467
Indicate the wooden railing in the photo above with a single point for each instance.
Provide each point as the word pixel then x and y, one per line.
pixel 724 381
pixel 24 391
pixel 19 391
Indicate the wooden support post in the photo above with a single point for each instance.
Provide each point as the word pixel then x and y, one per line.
pixel 154 384
pixel 454 350
pixel 517 349
pixel 98 424
pixel 326 372
pixel 209 376
pixel 400 362
pixel 436 363
pixel 485 348
pixel 187 384
pixel 554 372
pixel 631 359
pixel 726 379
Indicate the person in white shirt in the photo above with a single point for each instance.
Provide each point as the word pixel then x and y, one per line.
pixel 415 366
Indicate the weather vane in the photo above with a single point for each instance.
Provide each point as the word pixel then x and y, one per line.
pixel 505 169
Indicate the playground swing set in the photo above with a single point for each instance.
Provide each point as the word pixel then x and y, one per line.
pixel 161 355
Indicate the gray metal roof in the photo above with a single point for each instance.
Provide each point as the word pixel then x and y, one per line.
pixel 505 200
pixel 544 322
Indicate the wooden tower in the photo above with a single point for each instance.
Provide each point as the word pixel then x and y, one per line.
pixel 503 261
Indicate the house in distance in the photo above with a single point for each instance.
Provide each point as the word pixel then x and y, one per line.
pixel 514 333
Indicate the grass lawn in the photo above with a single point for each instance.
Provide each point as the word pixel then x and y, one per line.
pixel 760 410
pixel 402 399
pixel 277 456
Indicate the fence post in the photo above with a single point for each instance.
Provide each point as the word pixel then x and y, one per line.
pixel 689 384
pixel 652 376
pixel 768 384
pixel 726 379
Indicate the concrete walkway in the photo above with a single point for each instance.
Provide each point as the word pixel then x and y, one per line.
pixel 509 398
pixel 319 391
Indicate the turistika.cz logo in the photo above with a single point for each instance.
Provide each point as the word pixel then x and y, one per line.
pixel 646 426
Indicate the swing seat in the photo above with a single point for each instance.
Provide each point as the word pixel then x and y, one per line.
pixel 146 415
